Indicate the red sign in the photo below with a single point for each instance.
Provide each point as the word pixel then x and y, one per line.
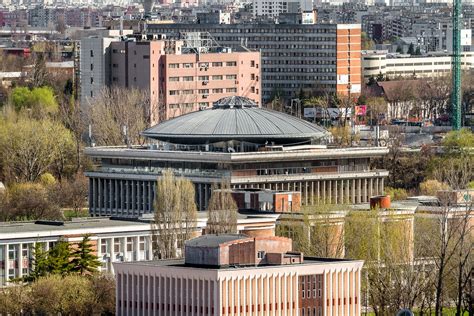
pixel 360 110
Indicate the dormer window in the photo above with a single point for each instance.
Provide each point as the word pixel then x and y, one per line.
pixel 260 254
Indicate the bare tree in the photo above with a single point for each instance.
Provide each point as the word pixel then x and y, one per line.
pixel 175 215
pixel 118 115
pixel 317 231
pixel 222 211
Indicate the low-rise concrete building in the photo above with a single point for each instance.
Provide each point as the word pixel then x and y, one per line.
pixel 265 278
pixel 113 239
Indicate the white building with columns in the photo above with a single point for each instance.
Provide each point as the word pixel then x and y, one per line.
pixel 114 239
pixel 308 287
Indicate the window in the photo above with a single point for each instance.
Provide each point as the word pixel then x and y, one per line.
pixel 92 67
pixel 115 65
pixel 203 91
pixel 231 64
pixel 203 78
pixel 252 63
pixel 103 246
pixel 231 90
pixel 92 53
pixel 24 250
pixel 252 89
pixel 174 92
pixel 260 254
pixel 11 252
pixel 188 65
pixel 174 79
pixel 252 76
pixel 92 94
pixel 190 91
pixel 216 64
pixel 173 66
pixel 142 243
pixel 231 77
pixel 129 244
pixel 219 90
pixel 188 78
pixel 146 56
pixel 217 77
pixel 92 80
pixel 203 104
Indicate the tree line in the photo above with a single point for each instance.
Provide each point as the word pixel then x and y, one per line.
pixel 64 280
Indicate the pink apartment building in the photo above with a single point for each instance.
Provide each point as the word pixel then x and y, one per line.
pixel 239 275
pixel 182 78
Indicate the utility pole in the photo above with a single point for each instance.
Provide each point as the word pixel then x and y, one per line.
pixel 456 87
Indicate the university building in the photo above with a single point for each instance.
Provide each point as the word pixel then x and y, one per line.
pixel 236 141
pixel 295 56
pixel 239 275
pixel 113 239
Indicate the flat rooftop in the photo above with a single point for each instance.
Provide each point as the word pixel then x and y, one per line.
pixel 179 263
pixel 30 229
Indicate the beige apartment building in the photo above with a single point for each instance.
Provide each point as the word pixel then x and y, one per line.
pixel 183 76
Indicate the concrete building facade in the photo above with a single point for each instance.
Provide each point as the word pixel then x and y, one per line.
pixel 113 239
pixel 295 57
pixel 376 63
pixel 179 76
pixel 306 287
pixel 249 146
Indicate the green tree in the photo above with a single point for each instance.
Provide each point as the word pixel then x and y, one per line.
pixel 366 42
pixel 29 148
pixel 222 211
pixel 59 258
pixel 175 215
pixel 56 295
pixel 400 49
pixel 28 201
pixel 40 101
pixel 40 263
pixel 83 260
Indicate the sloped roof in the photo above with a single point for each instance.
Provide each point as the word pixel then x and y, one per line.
pixel 235 118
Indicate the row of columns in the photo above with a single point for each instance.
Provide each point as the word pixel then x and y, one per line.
pixel 338 191
pixel 265 294
pixel 143 294
pixel 132 198
pixel 342 291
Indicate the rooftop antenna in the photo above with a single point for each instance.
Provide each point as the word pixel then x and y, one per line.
pixel 456 85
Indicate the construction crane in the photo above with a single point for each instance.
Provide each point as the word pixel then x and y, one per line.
pixel 456 93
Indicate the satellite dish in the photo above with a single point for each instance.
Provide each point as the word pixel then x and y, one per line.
pixel 405 312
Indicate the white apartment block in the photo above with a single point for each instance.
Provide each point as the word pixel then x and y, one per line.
pixel 273 8
pixel 115 240
pixel 375 63
pixel 95 60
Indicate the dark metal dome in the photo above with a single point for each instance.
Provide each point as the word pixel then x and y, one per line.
pixel 239 119
pixel 235 102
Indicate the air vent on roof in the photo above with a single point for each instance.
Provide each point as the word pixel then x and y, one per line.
pixel 52 223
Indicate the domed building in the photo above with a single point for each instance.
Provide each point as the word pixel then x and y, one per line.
pixel 236 124
pixel 235 140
